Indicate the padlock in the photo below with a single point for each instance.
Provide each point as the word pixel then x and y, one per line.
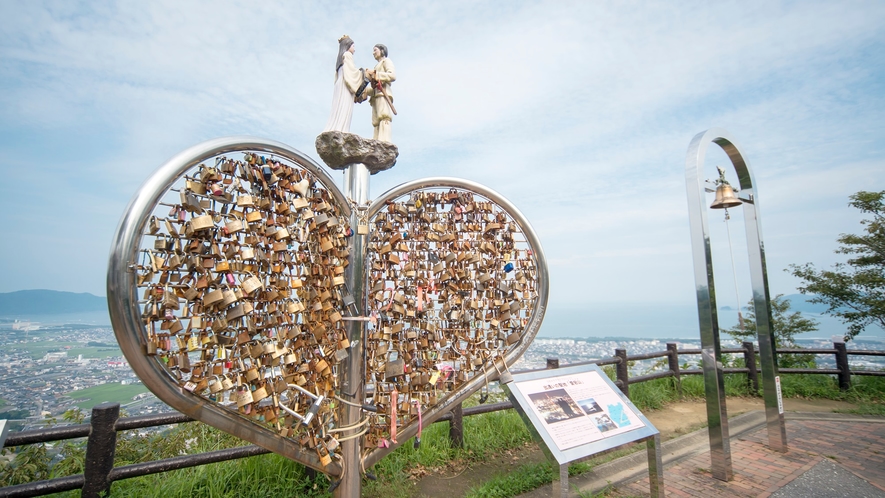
pixel 394 369
pixel 325 458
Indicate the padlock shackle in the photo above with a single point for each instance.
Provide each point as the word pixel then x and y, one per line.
pixel 305 391
pixel 313 411
pixel 291 411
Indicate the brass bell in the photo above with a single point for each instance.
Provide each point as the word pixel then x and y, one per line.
pixel 725 197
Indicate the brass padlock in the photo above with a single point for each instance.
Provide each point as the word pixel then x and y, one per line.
pixel 394 369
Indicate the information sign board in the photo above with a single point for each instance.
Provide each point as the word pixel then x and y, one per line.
pixel 577 412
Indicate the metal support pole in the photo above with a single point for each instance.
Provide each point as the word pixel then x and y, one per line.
pixel 560 483
pixel 100 448
pixel 750 361
pixel 673 364
pixel 4 431
pixel 456 426
pixel 356 188
pixel 708 321
pixel 842 365
pixel 655 467
pixel 623 372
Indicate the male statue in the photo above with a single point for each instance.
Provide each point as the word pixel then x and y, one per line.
pixel 381 98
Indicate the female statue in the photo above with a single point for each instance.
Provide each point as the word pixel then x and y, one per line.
pixel 347 80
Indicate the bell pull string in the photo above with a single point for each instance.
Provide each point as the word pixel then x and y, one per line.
pixel 737 294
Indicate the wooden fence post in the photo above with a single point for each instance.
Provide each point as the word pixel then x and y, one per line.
pixel 456 426
pixel 750 361
pixel 622 371
pixel 673 364
pixel 100 448
pixel 842 365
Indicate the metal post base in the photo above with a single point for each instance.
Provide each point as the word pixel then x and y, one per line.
pixel 655 467
pixel 560 486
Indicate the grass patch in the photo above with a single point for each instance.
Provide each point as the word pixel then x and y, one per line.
pixel 118 393
pixel 393 470
pixel 265 475
pixel 522 479
pixel 487 435
pixel 866 391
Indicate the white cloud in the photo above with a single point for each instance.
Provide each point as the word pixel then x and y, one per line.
pixel 579 113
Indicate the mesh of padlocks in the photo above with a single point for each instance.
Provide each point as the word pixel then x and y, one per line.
pixel 243 298
pixel 243 288
pixel 452 283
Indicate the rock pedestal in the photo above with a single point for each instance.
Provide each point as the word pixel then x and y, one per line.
pixel 339 150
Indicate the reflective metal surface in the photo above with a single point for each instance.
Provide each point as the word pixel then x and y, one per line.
pixel 714 383
pixel 356 188
pixel 705 290
pixel 123 301
pixel 531 328
pixel 655 466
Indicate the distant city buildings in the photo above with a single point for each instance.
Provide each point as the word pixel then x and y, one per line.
pixel 53 357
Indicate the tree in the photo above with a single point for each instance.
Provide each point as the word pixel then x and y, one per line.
pixel 785 327
pixel 854 291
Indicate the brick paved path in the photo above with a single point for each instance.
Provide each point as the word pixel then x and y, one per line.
pixel 758 471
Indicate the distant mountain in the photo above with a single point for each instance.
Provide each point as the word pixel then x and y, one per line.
pixel 798 302
pixel 49 302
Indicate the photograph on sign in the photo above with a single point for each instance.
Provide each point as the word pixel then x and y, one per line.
pixel 579 408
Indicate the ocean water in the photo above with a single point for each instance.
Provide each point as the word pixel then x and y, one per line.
pixel 658 321
pixel 97 318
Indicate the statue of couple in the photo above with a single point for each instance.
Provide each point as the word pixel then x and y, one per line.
pixel 354 85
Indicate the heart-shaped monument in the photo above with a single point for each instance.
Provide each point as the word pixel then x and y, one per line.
pixel 229 296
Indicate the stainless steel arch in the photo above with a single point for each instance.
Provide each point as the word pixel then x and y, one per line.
pixel 706 296
pixel 123 301
pixel 537 312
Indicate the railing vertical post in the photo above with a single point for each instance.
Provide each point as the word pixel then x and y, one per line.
pixel 750 361
pixel 842 365
pixel 673 364
pixel 100 448
pixel 622 371
pixel 456 426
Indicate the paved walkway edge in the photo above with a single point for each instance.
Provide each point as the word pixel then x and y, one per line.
pixel 635 466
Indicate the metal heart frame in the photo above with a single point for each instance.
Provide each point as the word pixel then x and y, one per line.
pixel 511 354
pixel 123 301
pixel 195 395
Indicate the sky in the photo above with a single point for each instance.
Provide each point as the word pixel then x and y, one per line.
pixel 580 113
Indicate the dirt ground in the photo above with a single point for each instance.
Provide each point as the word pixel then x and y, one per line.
pixel 672 421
